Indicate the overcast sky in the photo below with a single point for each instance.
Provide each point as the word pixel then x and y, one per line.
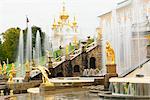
pixel 42 12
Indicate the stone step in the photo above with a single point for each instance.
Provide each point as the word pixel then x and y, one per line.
pixel 2 87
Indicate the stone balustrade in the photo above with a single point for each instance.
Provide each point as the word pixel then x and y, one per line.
pixel 130 86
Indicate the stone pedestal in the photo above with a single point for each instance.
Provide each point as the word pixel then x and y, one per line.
pixel 5 76
pixel 44 88
pixel 111 68
pixel 106 79
pixel 111 72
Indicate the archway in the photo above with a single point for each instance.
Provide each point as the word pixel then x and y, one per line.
pixel 93 62
pixel 76 68
pixel 60 74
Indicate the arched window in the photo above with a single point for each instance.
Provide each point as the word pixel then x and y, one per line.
pixel 93 62
pixel 60 74
pixel 76 68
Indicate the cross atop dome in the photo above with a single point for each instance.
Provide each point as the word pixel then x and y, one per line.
pixel 64 21
pixel 63 14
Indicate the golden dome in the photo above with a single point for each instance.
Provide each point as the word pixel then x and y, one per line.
pixel 63 15
pixel 64 21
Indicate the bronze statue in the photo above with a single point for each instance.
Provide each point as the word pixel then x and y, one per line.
pixel 110 54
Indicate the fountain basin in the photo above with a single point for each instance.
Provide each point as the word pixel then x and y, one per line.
pixel 72 81
pixel 69 82
pixel 22 86
pixel 133 87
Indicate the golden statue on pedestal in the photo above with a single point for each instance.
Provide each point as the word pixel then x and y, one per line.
pixel 10 80
pixel 13 71
pixel 45 78
pixel 110 54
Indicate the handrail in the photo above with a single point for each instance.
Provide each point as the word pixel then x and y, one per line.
pixel 90 45
pixel 71 51
pixel 134 68
pixel 57 58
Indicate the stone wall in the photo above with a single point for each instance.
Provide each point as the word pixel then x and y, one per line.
pixel 81 62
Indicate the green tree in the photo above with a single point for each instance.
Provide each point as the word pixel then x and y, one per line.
pixel 8 49
pixel 1 51
pixel 11 40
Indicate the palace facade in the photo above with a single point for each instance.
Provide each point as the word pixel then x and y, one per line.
pixel 126 27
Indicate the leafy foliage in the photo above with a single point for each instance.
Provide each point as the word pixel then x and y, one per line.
pixel 8 49
pixel 1 51
pixel 57 53
pixel 11 40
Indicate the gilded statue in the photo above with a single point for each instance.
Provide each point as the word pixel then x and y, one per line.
pixel 67 50
pixel 45 78
pixel 1 69
pixel 13 71
pixel 110 54
pixel 27 66
pixel 10 80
